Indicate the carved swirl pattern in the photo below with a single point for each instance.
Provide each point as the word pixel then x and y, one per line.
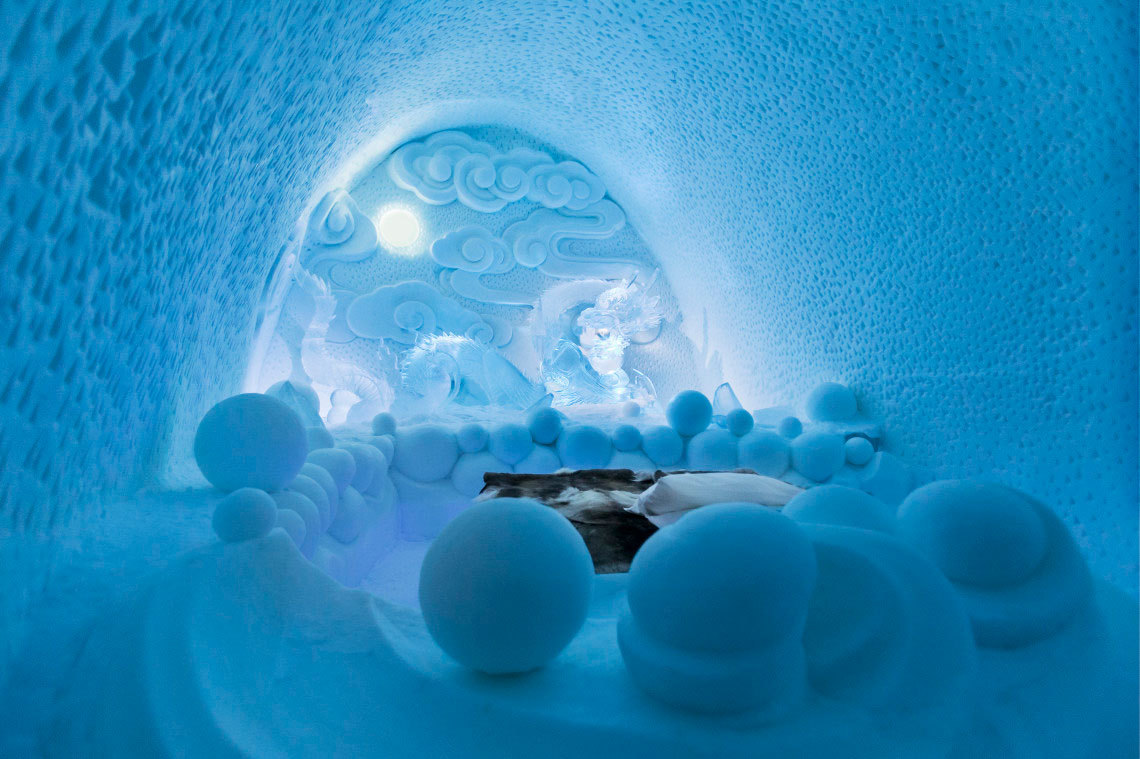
pixel 406 310
pixel 337 232
pixel 450 166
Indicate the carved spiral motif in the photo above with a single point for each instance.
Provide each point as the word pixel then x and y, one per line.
pixel 408 310
pixel 337 232
pixel 474 249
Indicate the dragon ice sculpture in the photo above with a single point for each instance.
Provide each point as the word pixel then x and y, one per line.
pixel 582 330
pixel 443 369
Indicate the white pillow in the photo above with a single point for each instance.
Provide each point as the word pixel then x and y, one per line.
pixel 674 494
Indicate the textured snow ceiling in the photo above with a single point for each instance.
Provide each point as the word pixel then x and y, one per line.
pixel 934 202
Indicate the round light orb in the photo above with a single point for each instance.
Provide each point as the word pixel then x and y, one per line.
pixel 506 585
pixel 398 228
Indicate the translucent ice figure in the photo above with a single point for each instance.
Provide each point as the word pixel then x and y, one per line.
pixel 583 329
pixel 724 401
pixel 444 369
pixel 373 392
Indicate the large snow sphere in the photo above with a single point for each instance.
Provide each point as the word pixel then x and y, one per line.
pixel 584 447
pixel 425 453
pixel 818 455
pixel 627 437
pixel 978 533
pixel 831 402
pixel 663 445
pixel 471 438
pixel 842 506
pixel 689 412
pixel 511 443
pixel 250 440
pixel 1013 563
pixel 244 514
pixel 717 606
pixel 739 422
pixel 713 449
pixel 764 452
pixel 506 585
pixel 545 425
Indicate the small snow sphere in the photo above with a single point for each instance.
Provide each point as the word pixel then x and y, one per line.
pixel 319 437
pixel 250 440
pixel 244 514
pixel 663 445
pixel 506 586
pixel 790 427
pixel 471 438
pixel 387 448
pixel 545 425
pixel 368 462
pixel 842 506
pixel 293 501
pixel 977 533
pixel 511 443
pixel 631 409
pixel 859 450
pixel 764 452
pixel 713 449
pixel 313 490
pixel 384 424
pixel 584 447
pixel 627 438
pixel 467 476
pixel 321 476
pixel 292 523
pixel 338 462
pixel 542 460
pixel 739 422
pixel 426 452
pixel 831 402
pixel 689 412
pixel 717 607
pixel 818 455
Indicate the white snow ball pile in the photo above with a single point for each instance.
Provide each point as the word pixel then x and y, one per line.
pixel 716 609
pixel 1012 561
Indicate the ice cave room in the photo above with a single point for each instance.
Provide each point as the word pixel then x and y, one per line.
pixel 569 378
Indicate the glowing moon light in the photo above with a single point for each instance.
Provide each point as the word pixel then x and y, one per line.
pixel 398 228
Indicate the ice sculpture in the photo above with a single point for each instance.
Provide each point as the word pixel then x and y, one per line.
pixel 443 369
pixel 582 330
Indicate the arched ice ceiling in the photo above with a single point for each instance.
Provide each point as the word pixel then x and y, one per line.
pixel 935 202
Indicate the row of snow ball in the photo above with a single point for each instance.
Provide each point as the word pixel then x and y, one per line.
pixel 427 453
pixel 255 448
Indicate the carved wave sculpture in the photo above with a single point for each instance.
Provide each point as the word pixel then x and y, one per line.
pixel 450 166
pixel 537 242
pixel 404 311
pixel 337 232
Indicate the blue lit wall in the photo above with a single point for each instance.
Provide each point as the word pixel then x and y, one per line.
pixel 935 203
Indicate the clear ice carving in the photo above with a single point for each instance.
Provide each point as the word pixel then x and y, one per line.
pixel 582 330
pixel 724 401
pixel 452 369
